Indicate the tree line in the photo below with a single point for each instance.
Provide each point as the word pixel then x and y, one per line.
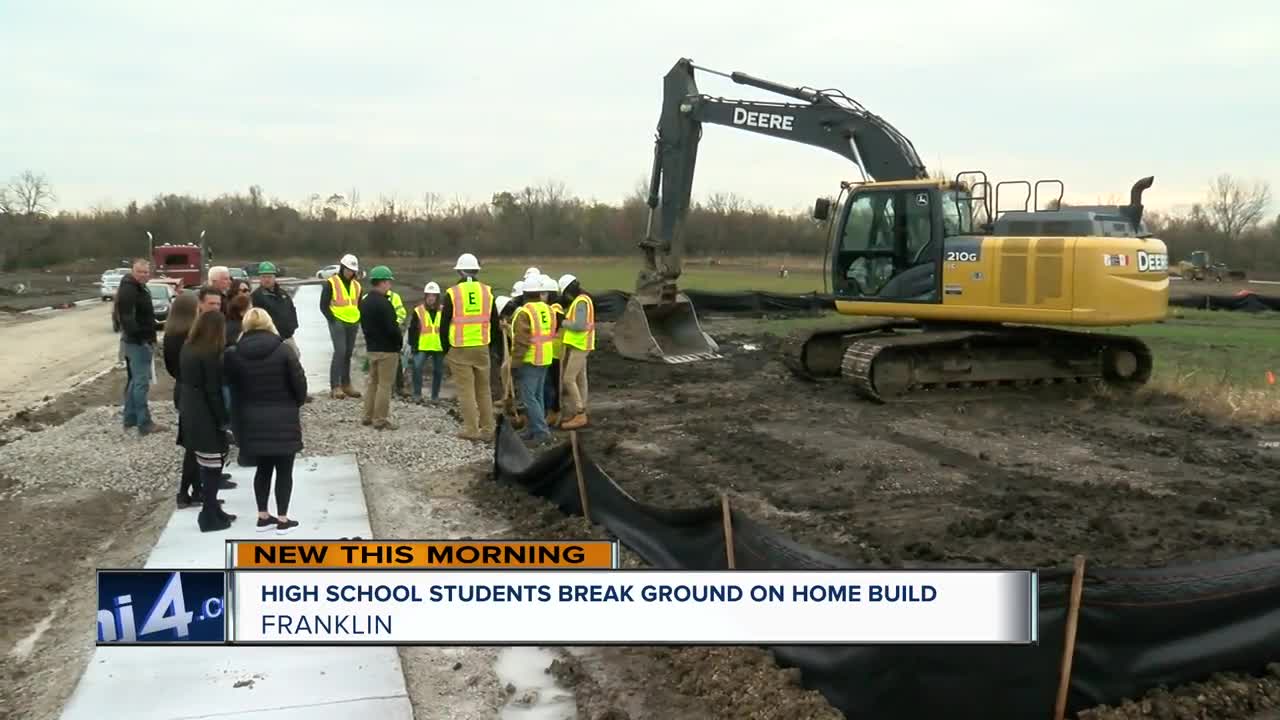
pixel 543 220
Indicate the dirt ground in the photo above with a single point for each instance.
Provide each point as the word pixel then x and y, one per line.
pixel 52 543
pixel 1134 482
pixel 999 481
pixel 41 361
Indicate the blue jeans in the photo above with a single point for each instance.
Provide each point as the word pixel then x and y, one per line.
pixel 137 363
pixel 437 372
pixel 531 381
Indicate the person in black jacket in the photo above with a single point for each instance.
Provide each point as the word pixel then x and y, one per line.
pixel 278 303
pixel 202 414
pixel 182 316
pixel 382 342
pixel 268 387
pixel 138 329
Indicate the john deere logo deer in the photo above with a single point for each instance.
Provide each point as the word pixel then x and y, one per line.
pixel 1152 262
pixel 768 121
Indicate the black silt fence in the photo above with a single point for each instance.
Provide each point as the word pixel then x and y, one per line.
pixel 1138 628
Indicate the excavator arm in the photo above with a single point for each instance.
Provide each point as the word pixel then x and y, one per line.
pixel 826 119
pixel 660 323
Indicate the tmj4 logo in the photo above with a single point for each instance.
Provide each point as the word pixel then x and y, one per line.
pixel 168 613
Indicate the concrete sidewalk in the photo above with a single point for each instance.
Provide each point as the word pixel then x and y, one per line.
pixel 312 339
pixel 184 683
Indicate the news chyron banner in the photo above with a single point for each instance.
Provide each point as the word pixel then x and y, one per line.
pixel 468 592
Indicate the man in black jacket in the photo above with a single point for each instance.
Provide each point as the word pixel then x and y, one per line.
pixel 382 341
pixel 277 302
pixel 138 337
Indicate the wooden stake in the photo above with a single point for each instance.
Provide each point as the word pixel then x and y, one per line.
pixel 1069 643
pixel 577 469
pixel 728 530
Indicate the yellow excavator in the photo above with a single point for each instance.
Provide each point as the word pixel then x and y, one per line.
pixel 956 288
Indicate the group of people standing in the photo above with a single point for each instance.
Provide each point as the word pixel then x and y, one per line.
pixel 238 379
pixel 542 333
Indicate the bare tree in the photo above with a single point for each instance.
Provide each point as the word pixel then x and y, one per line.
pixel 1235 208
pixel 6 204
pixel 353 204
pixel 30 194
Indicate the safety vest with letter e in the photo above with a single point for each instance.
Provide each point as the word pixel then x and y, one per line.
pixel 472 307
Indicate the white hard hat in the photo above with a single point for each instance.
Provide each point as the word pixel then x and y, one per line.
pixel 350 262
pixel 431 288
pixel 501 302
pixel 565 280
pixel 546 283
pixel 467 261
pixel 532 272
pixel 517 288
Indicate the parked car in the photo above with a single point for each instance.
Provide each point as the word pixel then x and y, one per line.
pixel 326 272
pixel 110 282
pixel 163 291
pixel 238 274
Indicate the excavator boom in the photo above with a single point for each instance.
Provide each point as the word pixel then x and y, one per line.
pixel 660 323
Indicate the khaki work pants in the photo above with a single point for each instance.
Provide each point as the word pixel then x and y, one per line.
pixel 573 386
pixel 377 395
pixel 469 368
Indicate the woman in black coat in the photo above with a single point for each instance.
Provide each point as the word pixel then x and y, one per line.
pixel 182 316
pixel 202 414
pixel 268 387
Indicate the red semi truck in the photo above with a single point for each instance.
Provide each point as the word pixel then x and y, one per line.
pixel 180 262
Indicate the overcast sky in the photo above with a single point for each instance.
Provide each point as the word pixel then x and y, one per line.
pixel 128 99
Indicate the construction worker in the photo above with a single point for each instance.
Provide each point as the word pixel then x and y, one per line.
pixel 424 342
pixel 340 304
pixel 382 340
pixel 402 315
pixel 579 334
pixel 551 391
pixel 279 304
pixel 532 332
pixel 468 329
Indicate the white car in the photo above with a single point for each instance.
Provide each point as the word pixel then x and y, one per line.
pixel 110 282
pixel 328 271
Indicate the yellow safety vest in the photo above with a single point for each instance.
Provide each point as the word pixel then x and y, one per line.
pixel 472 307
pixel 557 332
pixel 345 304
pixel 584 340
pixel 541 333
pixel 398 304
pixel 428 329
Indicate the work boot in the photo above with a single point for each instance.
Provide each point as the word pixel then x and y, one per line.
pixel 336 394
pixel 575 422
pixel 472 436
pixel 366 422
pixel 553 417
pixel 384 425
pixel 149 428
pixel 352 392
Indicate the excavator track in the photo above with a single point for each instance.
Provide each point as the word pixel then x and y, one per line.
pixel 894 360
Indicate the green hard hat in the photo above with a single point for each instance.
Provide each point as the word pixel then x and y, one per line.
pixel 266 268
pixel 382 272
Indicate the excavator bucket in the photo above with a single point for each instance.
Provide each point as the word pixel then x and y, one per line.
pixel 663 331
